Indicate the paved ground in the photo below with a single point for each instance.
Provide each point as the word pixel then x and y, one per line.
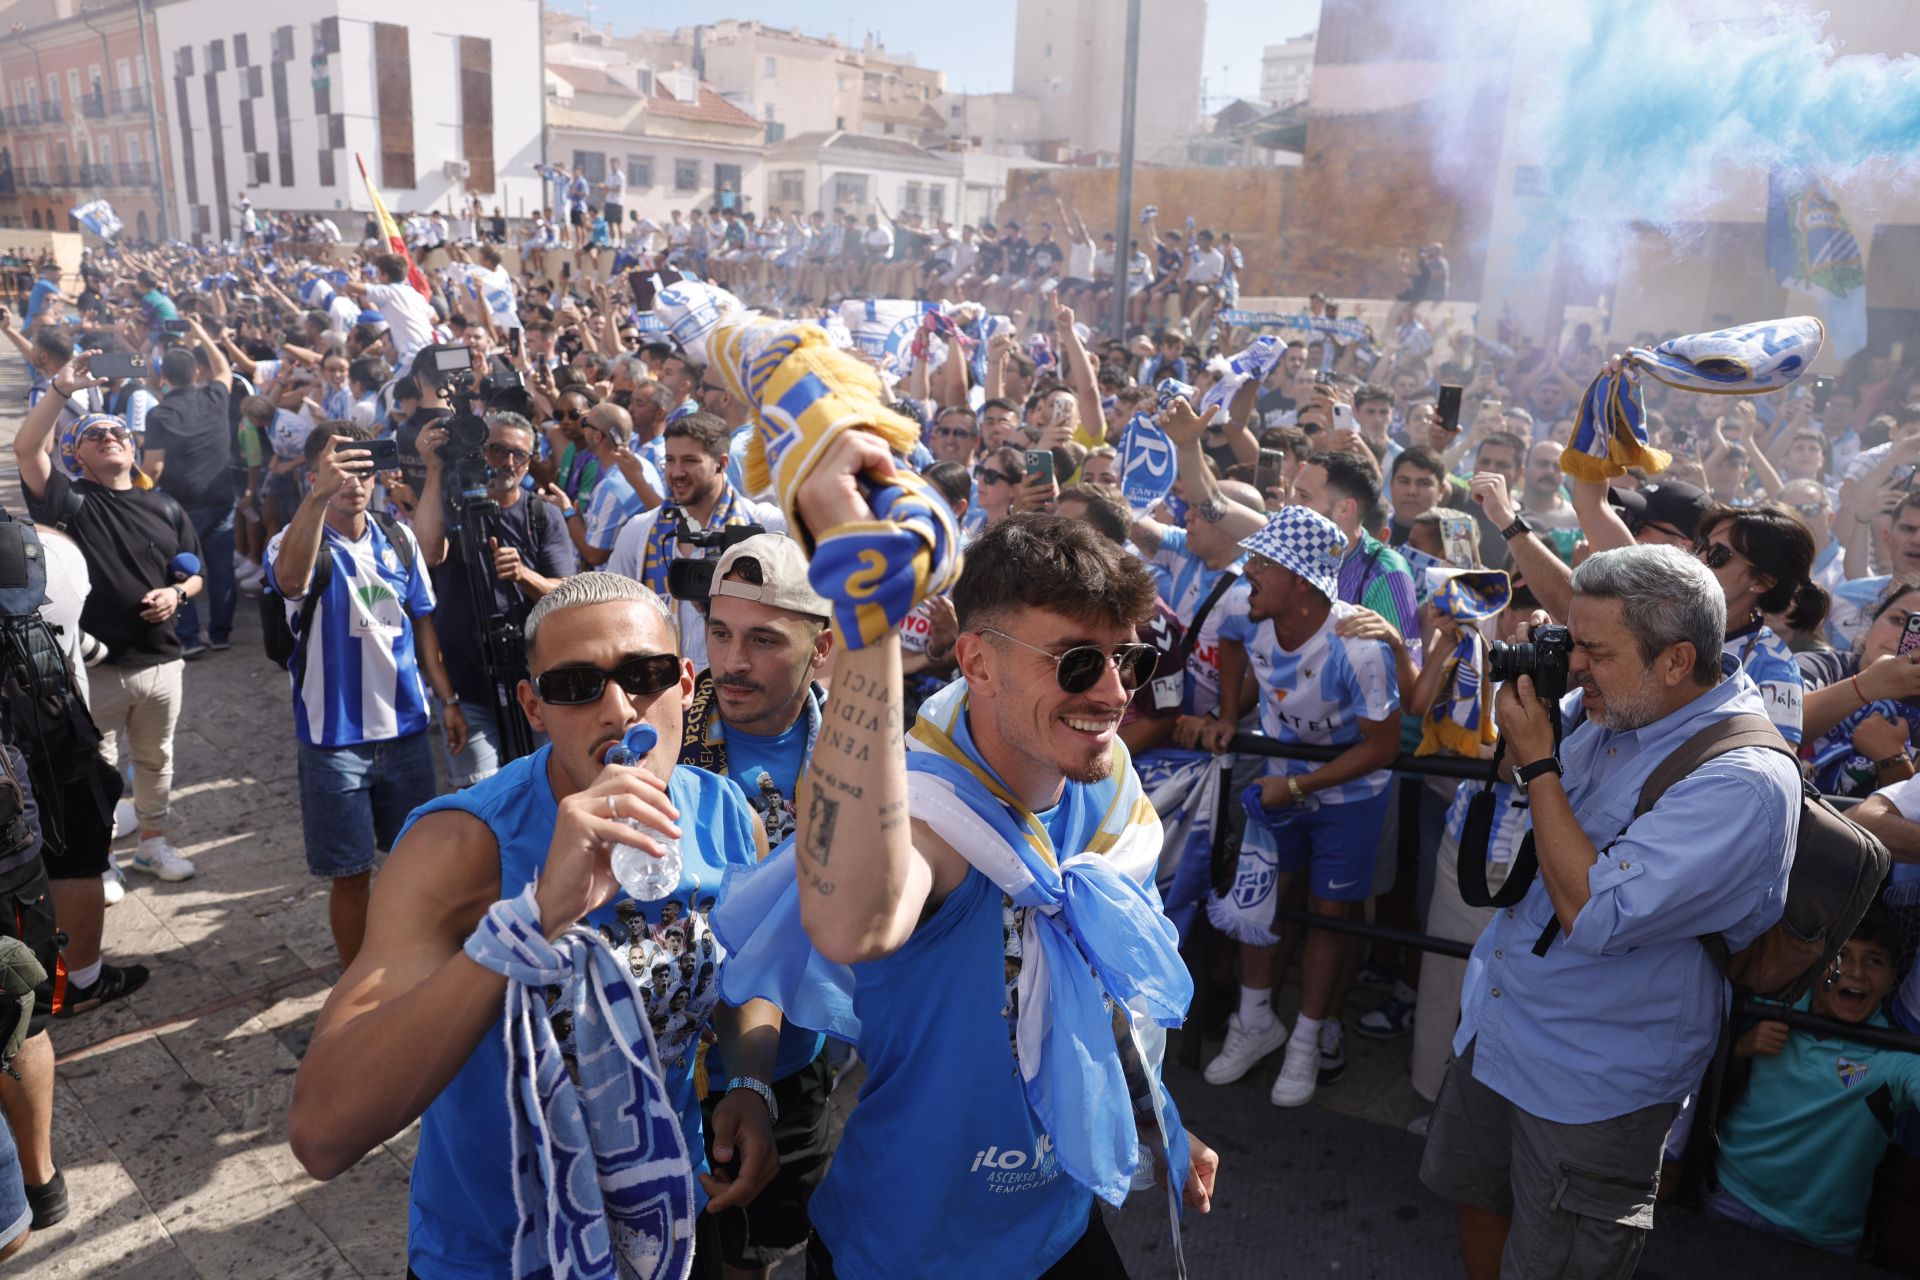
pixel 170 1116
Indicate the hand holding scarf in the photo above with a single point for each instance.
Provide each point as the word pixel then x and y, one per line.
pixel 1461 717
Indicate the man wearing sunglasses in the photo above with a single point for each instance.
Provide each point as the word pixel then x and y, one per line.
pixel 955 436
pixel 1320 688
pixel 413 1029
pixel 529 553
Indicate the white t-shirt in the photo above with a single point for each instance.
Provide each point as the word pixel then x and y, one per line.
pixel 67 586
pixel 616 186
pixel 408 316
pixel 1206 266
pixel 629 560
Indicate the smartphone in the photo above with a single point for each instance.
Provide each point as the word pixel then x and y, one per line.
pixel 1910 634
pixel 1040 463
pixel 1822 388
pixel 1323 379
pixel 385 453
pixel 1269 473
pixel 1447 403
pixel 175 328
pixel 513 342
pixel 1456 535
pixel 118 364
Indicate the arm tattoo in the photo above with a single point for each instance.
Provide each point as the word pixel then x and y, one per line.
pixel 822 814
pixel 1212 508
pixel 822 887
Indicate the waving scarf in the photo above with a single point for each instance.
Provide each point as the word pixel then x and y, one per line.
pixel 1095 940
pixel 1461 717
pixel 660 539
pixel 1749 359
pixel 805 393
pixel 603 1182
pixel 1250 365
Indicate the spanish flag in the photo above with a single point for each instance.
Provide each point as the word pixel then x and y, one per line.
pixel 391 230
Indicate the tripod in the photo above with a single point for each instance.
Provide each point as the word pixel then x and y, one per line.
pixel 502 648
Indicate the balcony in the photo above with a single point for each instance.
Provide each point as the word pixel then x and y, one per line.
pixel 50 113
pixel 138 174
pixel 7 184
pixel 94 105
pixel 129 101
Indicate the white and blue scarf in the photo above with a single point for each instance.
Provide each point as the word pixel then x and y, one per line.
pixel 1096 941
pixel 602 1179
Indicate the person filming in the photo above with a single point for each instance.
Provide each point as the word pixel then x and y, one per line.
pixel 1590 1008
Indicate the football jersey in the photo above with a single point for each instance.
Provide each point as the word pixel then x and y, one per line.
pixel 1769 663
pixel 1319 693
pixel 1189 583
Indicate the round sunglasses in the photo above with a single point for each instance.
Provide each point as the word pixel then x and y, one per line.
pixel 638 677
pixel 1080 668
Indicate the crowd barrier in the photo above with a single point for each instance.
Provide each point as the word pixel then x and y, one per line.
pixel 1201 937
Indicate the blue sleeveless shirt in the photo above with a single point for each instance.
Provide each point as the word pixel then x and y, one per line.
pixel 943 1161
pixel 461 1215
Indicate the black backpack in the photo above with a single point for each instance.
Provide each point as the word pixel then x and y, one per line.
pixel 279 637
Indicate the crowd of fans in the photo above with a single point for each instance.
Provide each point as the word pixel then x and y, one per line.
pixel 238 460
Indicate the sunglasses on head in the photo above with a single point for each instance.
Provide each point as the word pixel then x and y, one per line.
pixel 637 677
pixel 1080 668
pixel 987 475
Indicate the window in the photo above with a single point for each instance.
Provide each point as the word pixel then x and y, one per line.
pixel 73 84
pixel 726 177
pixel 790 186
pixel 910 198
pixel 768 69
pixel 476 111
pixel 639 171
pixel 850 188
pixel 775 132
pixel 123 73
pixel 769 113
pixel 393 97
pixel 954 111
pixel 283 44
pixel 592 163
pixel 936 202
pixel 686 175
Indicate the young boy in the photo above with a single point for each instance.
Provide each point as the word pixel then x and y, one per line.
pixel 1816 1094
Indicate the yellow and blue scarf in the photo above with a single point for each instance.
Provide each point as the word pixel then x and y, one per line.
pixel 1460 720
pixel 660 539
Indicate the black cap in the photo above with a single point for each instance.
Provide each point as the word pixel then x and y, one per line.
pixel 1668 502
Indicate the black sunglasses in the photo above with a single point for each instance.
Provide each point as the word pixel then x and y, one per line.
pixel 1714 555
pixel 1080 668
pixel 987 475
pixel 637 677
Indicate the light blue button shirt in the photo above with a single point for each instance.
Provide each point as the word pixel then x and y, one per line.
pixel 1621 1013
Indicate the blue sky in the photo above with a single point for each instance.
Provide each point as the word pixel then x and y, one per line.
pixel 975 50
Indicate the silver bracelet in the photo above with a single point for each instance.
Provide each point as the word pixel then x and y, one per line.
pixel 760 1087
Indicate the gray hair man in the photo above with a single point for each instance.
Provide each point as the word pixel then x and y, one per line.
pixel 1590 1009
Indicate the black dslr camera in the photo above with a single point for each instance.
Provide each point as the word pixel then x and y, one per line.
pixel 1543 660
pixel 692 580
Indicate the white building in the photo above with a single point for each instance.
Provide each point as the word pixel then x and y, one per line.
pixel 857 172
pixel 680 143
pixel 275 99
pixel 1069 55
pixel 1286 71
pixel 997 123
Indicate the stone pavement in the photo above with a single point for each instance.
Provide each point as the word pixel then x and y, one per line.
pixel 170 1111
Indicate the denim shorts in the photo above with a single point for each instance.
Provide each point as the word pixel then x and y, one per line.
pixel 354 800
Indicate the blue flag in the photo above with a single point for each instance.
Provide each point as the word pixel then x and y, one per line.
pixel 98 217
pixel 1146 463
pixel 1811 247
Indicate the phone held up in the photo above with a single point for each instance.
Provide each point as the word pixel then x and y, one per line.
pixel 1040 464
pixel 1447 404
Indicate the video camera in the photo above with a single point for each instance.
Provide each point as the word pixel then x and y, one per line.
pixel 1543 660
pixel 448 368
pixel 692 580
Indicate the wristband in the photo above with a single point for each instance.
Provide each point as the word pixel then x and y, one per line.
pixel 760 1087
pixel 1516 529
pixel 1858 692
pixel 570 513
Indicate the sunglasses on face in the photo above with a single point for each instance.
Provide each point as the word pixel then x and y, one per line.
pixel 987 475
pixel 1715 555
pixel 570 415
pixel 1811 510
pixel 96 434
pixel 954 433
pixel 512 457
pixel 1080 668
pixel 637 677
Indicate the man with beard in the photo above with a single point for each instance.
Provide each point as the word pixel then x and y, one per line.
pixel 754 716
pixel 1598 977
pixel 699 498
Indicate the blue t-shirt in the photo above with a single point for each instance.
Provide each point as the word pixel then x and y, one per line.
pixel 974 1189
pixel 614 502
pixel 461 1214
pixel 1815 1095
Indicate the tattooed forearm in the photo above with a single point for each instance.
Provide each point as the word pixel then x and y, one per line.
pixel 822 814
pixel 822 887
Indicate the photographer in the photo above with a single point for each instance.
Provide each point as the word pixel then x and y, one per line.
pixel 1599 977
pixel 529 552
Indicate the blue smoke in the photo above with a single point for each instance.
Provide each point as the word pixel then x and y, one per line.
pixel 1639 110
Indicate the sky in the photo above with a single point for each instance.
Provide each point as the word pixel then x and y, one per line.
pixel 977 52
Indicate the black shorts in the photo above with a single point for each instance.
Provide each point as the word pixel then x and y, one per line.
pixel 1093 1257
pixel 613 213
pixel 762 1233
pixel 26 913
pixel 578 217
pixel 79 835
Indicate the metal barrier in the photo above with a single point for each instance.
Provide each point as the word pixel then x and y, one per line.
pixel 1201 938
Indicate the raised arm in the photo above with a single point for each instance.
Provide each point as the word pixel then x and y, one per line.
pixel 219 371
pixel 30 444
pixel 1080 375
pixel 867 877
pixel 1185 428
pixel 1548 576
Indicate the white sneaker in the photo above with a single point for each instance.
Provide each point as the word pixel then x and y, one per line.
pixel 155 857
pixel 125 821
pixel 1299 1075
pixel 1245 1048
pixel 113 884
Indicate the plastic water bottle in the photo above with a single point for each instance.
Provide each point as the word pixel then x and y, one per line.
pixel 644 877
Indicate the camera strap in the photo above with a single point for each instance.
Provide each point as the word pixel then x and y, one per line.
pixel 1476 837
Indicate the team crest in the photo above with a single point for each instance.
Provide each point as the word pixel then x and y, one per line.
pixel 1851 1073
